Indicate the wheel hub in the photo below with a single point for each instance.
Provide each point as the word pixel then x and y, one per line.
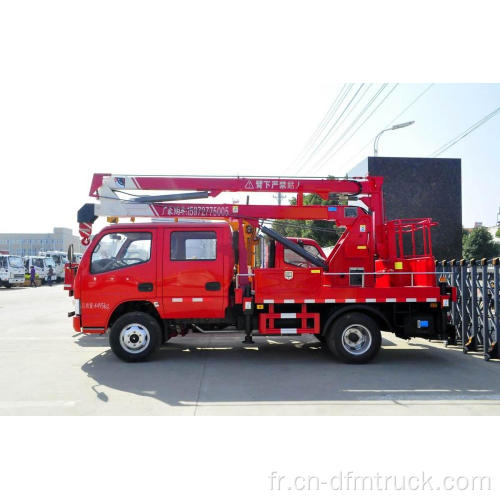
pixel 134 338
pixel 356 339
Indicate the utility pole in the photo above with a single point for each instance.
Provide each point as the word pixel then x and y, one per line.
pixel 280 196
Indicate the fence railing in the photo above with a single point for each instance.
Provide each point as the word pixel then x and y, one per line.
pixel 476 313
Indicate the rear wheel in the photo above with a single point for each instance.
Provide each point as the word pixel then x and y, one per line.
pixel 135 336
pixel 354 338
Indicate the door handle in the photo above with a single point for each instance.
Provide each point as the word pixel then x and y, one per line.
pixel 145 287
pixel 212 286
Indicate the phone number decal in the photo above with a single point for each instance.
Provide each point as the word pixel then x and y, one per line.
pixel 196 211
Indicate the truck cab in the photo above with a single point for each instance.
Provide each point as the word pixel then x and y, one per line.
pixel 41 265
pixel 11 270
pixel 170 270
pixel 59 259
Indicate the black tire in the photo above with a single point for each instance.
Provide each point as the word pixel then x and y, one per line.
pixel 8 285
pixel 147 332
pixel 354 338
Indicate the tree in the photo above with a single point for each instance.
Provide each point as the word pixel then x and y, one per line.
pixel 497 234
pixel 323 231
pixel 479 244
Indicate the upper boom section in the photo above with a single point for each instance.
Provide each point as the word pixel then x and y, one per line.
pixel 216 185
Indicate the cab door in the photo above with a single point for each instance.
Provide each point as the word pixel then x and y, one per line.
pixel 121 267
pixel 193 273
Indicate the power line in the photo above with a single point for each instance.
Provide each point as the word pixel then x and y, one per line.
pixel 410 105
pixel 465 133
pixel 331 129
pixel 333 153
pixel 368 117
pixel 324 122
pixel 390 123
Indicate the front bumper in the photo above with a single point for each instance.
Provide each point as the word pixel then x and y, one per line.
pixel 77 323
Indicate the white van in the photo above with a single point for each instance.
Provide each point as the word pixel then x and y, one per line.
pixel 41 265
pixel 59 259
pixel 11 270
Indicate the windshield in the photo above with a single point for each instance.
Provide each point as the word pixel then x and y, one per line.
pixel 49 261
pixel 15 261
pixel 38 262
pixel 56 258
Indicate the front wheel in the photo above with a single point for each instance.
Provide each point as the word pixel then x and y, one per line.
pixel 354 338
pixel 135 336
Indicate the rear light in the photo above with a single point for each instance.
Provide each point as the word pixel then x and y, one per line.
pixel 77 307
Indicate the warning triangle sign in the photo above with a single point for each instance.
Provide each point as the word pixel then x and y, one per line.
pixel 249 185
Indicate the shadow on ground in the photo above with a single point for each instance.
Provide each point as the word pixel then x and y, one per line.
pixel 218 369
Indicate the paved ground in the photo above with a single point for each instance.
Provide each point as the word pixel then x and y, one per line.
pixel 47 369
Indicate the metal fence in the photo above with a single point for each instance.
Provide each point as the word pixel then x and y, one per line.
pixel 476 313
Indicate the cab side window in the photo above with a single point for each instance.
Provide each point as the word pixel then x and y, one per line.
pixel 193 245
pixel 118 250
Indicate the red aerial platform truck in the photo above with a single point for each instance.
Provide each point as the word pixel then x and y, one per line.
pixel 210 264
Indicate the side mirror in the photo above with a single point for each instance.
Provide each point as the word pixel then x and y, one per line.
pixel 71 253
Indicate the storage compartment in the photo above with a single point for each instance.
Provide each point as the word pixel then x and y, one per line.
pixel 271 283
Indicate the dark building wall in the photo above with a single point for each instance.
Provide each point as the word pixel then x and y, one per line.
pixel 423 187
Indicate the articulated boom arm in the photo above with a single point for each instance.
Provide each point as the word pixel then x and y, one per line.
pixel 106 188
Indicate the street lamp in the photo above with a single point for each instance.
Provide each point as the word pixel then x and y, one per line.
pixel 394 127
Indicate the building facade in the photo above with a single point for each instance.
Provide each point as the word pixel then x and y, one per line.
pixel 423 187
pixel 31 243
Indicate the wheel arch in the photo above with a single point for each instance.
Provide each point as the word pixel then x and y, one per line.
pixel 133 306
pixel 376 314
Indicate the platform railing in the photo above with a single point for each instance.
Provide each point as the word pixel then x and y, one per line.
pixel 412 274
pixel 437 274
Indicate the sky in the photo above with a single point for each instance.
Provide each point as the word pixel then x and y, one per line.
pixel 230 88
